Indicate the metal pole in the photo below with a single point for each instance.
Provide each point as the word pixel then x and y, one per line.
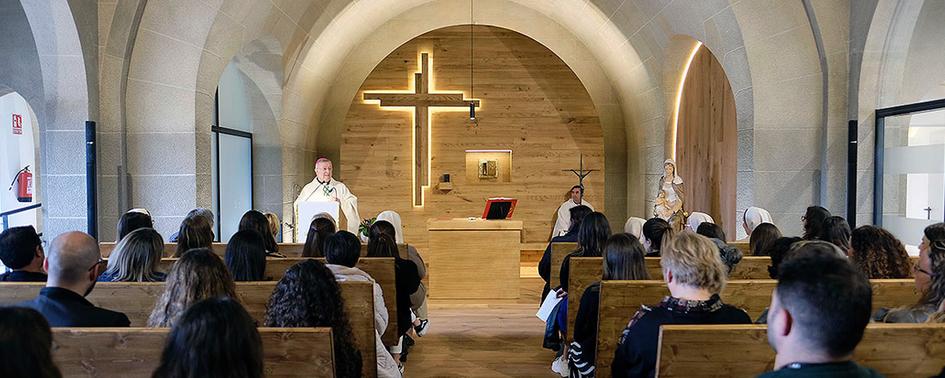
pixel 90 179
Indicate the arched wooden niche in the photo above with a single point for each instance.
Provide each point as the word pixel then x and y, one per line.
pixel 707 144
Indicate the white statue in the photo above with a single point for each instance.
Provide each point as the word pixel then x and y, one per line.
pixel 670 197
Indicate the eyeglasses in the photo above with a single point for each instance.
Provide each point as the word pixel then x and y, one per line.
pixel 917 269
pixel 97 263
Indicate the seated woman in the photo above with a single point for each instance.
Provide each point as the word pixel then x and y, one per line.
pixel 319 230
pixel 762 238
pixel 308 296
pixel 695 275
pixel 132 220
pixel 696 219
pixel 418 300
pixel 198 275
pixel 813 222
pixel 655 230
pixel 929 281
pixel 731 256
pixel 215 337
pixel 257 221
pixel 544 265
pixel 836 230
pixel 246 256
pixel 136 258
pixel 342 252
pixel 274 224
pixel 25 344
pixel 752 218
pixel 879 254
pixel 623 260
pixel 194 232
pixel 634 226
pixel 381 244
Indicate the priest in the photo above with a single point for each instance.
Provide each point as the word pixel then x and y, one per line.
pixel 325 188
pixel 563 223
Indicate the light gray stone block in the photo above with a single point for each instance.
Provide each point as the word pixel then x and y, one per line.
pixel 64 196
pixel 66 150
pixel 164 195
pixel 161 153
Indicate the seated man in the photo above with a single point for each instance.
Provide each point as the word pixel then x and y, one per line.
pixel 695 275
pixel 817 316
pixel 74 263
pixel 22 250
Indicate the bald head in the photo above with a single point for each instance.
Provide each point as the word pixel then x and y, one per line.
pixel 69 257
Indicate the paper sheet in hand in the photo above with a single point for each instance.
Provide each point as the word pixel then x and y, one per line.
pixel 547 305
pixel 308 210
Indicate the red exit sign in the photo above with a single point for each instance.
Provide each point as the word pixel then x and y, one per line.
pixel 17 124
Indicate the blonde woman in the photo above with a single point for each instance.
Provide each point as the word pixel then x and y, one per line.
pixel 695 275
pixel 136 258
pixel 198 275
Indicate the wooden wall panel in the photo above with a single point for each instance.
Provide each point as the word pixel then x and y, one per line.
pixel 707 143
pixel 532 104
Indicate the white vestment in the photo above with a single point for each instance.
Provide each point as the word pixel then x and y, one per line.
pixel 333 190
pixel 564 217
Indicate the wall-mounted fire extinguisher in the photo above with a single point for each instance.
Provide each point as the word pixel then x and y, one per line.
pixel 24 187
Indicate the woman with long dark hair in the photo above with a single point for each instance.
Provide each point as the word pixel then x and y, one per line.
pixel 318 232
pixel 308 296
pixel 879 254
pixel 623 260
pixel 215 337
pixel 544 265
pixel 813 221
pixel 257 221
pixel 246 256
pixel 381 243
pixel 762 238
pixel 929 281
pixel 198 274
pixel 836 230
pixel 194 232
pixel 25 344
pixel 595 229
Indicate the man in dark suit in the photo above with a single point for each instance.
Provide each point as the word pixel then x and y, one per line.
pixel 73 262
pixel 22 250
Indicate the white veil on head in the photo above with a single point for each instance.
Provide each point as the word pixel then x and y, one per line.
pixel 755 216
pixel 394 219
pixel 696 218
pixel 676 179
pixel 634 226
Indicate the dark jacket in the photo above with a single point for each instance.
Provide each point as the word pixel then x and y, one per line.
pixel 544 265
pixel 848 369
pixel 638 345
pixel 22 276
pixel 583 350
pixel 65 308
pixel 407 279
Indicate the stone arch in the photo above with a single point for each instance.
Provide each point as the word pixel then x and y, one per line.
pixel 49 72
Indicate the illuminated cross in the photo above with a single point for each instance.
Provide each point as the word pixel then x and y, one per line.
pixel 421 100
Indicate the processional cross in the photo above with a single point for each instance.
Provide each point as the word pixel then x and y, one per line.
pixel 581 173
pixel 421 100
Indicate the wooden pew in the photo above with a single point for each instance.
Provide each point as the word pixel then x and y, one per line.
pixel 558 252
pixel 136 352
pixel 137 300
pixel 287 249
pixel 621 299
pixel 380 268
pixel 894 350
pixel 742 246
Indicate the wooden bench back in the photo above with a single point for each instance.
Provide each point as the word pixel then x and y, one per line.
pixel 558 252
pixel 380 268
pixel 742 246
pixel 287 249
pixel 894 350
pixel 136 300
pixel 136 352
pixel 621 299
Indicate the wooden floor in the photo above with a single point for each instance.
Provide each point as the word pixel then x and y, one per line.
pixel 483 338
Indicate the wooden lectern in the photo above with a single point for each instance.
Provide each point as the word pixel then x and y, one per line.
pixel 474 258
